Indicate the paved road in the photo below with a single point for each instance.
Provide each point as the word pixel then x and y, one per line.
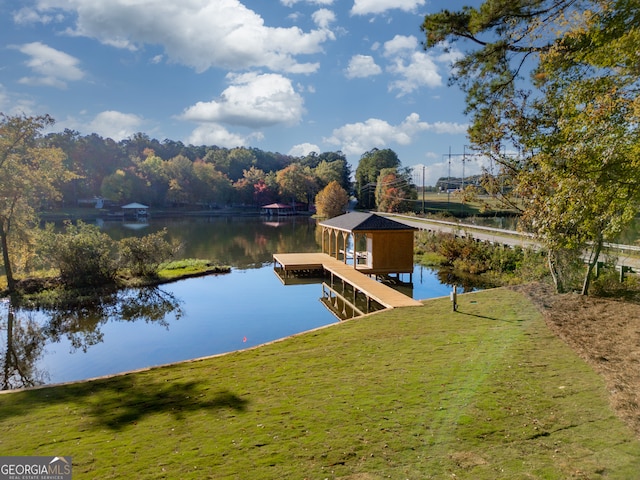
pixel 628 255
pixel 485 234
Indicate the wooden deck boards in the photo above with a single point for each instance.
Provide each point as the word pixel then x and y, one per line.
pixel 379 292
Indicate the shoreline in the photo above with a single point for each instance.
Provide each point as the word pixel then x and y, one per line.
pixel 179 362
pixel 134 283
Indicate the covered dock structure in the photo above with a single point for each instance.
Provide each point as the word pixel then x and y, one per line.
pixel 277 209
pixel 380 245
pixel 135 210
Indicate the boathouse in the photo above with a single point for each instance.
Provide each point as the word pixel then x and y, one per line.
pixel 379 245
pixel 374 245
pixel 136 210
pixel 278 209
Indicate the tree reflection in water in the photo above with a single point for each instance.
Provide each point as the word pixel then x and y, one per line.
pixel 465 282
pixel 79 321
pixel 24 345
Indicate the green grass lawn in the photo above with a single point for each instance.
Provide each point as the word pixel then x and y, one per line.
pixel 454 205
pixel 414 393
pixel 179 269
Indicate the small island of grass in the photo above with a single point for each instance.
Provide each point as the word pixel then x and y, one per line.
pixel 46 290
pixel 83 262
pixel 176 270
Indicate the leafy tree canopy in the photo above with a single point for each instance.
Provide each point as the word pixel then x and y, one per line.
pixel 394 190
pixel 557 82
pixel 332 200
pixel 30 173
pixel 369 168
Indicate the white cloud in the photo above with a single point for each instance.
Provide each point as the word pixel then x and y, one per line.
pixel 291 3
pixel 361 66
pixel 431 173
pixel 28 16
pixel 52 67
pixel 357 138
pixel 399 45
pixel 4 99
pixel 302 88
pixel 214 134
pixel 451 128
pixel 364 7
pixel 323 18
pixel 449 55
pixel 13 104
pixel 201 34
pixel 303 149
pixel 414 68
pixel 252 100
pixel 115 125
pixel 418 70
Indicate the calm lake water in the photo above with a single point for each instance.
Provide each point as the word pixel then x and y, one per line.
pixel 183 320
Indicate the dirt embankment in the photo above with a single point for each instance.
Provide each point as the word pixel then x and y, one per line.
pixel 606 333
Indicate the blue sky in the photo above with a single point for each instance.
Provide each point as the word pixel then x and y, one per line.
pixel 289 76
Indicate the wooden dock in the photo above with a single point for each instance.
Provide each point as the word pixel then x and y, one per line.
pixel 384 295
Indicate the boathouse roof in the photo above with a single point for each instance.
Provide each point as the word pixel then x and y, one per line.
pixel 277 206
pixel 363 221
pixel 134 205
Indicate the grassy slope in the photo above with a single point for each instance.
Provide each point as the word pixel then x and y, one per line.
pixel 418 393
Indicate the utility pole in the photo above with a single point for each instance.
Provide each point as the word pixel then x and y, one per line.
pixel 449 178
pixel 464 158
pixel 422 189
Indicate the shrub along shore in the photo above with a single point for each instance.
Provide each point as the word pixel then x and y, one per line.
pixel 47 290
pixel 421 392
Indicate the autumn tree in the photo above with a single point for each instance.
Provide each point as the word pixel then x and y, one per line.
pixel 249 185
pixel 118 186
pixel 394 191
pixel 29 175
pixel 153 178
pixel 332 200
pixel 67 141
pixel 235 162
pixel 180 172
pixel 93 158
pixel 557 81
pixel 333 168
pixel 135 145
pixel 210 185
pixel 297 183
pixel 371 163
